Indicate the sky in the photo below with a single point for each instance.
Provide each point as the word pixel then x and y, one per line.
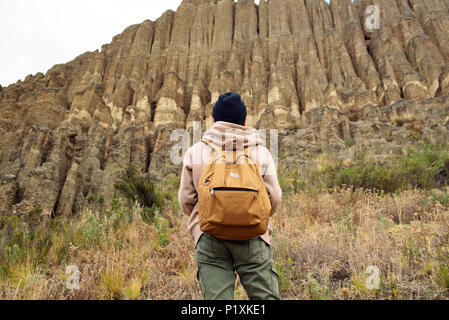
pixel 37 34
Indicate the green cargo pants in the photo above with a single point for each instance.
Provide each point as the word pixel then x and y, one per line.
pixel 219 260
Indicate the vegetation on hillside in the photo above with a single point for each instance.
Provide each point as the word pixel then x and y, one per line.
pixel 422 166
pixel 326 236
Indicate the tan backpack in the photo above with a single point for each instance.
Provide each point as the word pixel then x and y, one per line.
pixel 233 202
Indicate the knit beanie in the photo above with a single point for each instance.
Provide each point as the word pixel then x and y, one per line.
pixel 230 108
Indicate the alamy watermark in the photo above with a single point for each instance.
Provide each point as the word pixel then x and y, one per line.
pixel 73 280
pixel 230 139
pixel 373 19
pixel 373 279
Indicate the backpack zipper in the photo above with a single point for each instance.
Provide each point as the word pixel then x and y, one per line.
pixel 212 190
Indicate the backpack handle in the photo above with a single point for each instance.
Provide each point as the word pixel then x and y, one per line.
pixel 246 154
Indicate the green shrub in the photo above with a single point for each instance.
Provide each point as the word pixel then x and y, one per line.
pixel 135 187
pixel 91 198
pixel 349 143
pixel 12 253
pixel 439 196
pixel 162 225
pixel 100 200
pixel 315 289
pixel 424 166
pixel 285 273
pixel 33 213
pixel 93 230
pixel 443 276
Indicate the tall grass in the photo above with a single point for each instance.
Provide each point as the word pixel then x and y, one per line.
pixel 323 244
pixel 326 234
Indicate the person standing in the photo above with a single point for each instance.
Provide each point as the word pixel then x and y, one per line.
pixel 218 258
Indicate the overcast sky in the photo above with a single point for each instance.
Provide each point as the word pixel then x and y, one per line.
pixel 37 34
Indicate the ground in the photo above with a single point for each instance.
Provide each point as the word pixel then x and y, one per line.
pixel 323 243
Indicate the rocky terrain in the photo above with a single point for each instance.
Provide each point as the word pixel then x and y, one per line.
pixel 313 70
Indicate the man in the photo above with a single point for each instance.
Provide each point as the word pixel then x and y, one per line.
pixel 219 260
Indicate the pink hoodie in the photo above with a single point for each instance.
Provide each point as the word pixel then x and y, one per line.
pixel 195 162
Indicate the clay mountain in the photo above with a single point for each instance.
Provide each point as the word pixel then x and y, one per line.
pixel 310 69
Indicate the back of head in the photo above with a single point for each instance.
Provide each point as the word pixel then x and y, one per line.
pixel 230 108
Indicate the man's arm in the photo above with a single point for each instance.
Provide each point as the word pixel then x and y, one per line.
pixel 187 195
pixel 271 182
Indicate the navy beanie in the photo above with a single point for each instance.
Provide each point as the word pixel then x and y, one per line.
pixel 230 108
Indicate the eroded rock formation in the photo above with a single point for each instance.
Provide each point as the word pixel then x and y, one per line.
pixel 311 69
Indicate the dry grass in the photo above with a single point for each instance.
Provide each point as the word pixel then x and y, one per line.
pixel 343 232
pixel 323 244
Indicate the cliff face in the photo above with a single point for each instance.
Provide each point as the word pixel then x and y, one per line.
pixel 303 66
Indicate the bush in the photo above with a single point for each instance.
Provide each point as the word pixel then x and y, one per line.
pixel 100 200
pixel 91 198
pixel 136 187
pixel 423 167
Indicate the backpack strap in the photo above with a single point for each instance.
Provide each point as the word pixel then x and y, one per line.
pixel 212 145
pixel 218 152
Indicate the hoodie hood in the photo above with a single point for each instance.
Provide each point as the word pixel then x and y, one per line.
pixel 225 133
